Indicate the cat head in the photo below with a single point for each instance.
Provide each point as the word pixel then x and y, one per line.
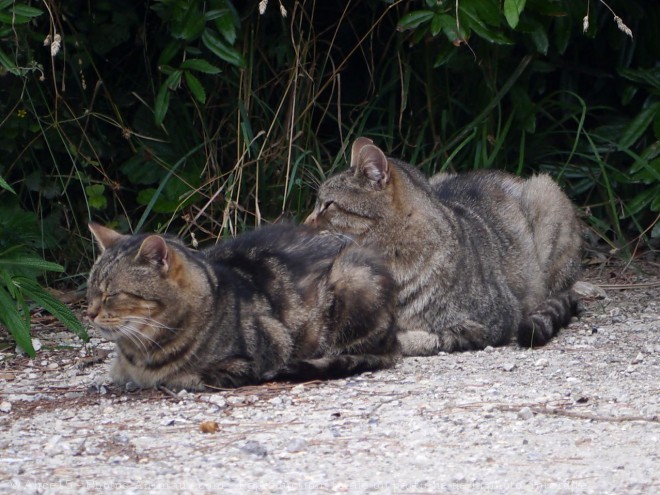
pixel 136 284
pixel 353 201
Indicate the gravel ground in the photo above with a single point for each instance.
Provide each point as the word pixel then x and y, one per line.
pixel 581 415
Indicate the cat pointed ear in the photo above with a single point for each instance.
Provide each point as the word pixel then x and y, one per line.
pixel 154 250
pixel 105 237
pixel 358 144
pixel 373 164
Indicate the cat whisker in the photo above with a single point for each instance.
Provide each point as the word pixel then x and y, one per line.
pixel 134 336
pixel 143 320
pixel 139 338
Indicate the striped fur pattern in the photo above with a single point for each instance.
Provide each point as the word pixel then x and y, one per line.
pixel 281 302
pixel 477 258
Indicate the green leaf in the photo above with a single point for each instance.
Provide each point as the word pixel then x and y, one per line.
pixel 169 52
pixel 161 104
pixel 472 19
pixel 96 196
pixel 641 201
pixel 26 11
pixel 221 50
pixel 441 22
pixel 226 27
pixel 512 11
pixel 540 39
pixel 13 19
pixel 18 326
pixel 639 125
pixel 5 185
pixel 414 19
pixel 190 26
pixel 488 11
pixel 445 54
pixel 8 64
pixel 195 87
pixel 649 76
pixel 30 262
pixel 54 306
pixel 173 81
pixel 200 65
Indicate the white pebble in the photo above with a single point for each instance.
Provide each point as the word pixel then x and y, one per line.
pixel 509 366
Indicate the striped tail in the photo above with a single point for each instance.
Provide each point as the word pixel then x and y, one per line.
pixel 544 322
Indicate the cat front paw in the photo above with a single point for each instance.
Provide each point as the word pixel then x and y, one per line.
pixel 418 343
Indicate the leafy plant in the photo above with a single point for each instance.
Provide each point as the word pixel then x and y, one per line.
pixel 205 118
pixel 20 268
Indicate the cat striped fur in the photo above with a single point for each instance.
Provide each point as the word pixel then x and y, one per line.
pixel 281 302
pixel 477 258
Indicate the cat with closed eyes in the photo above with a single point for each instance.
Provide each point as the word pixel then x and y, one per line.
pixel 477 258
pixel 281 302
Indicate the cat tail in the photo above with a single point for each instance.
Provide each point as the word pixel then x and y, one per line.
pixel 332 367
pixel 544 322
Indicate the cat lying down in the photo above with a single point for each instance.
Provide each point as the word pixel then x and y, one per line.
pixel 281 302
pixel 477 257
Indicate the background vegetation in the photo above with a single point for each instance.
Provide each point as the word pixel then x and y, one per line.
pixel 204 118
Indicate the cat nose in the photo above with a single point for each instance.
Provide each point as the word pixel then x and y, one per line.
pixel 92 312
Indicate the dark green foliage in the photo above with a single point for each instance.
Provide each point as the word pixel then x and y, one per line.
pixel 20 265
pixel 206 117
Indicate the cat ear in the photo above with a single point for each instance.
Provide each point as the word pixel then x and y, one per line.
pixel 372 163
pixel 358 144
pixel 105 237
pixel 154 250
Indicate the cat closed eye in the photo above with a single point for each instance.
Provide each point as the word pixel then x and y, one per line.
pixel 325 206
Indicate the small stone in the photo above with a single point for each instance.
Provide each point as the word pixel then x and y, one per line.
pixel 255 448
pixel 296 445
pixel 638 359
pixel 298 389
pixel 53 366
pixel 36 345
pixel 5 406
pixel 541 363
pixel 236 399
pixel 510 366
pixel 525 413
pixel 218 401
pixel 489 348
pixel 276 401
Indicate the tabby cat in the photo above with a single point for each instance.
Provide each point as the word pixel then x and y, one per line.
pixel 281 302
pixel 476 257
